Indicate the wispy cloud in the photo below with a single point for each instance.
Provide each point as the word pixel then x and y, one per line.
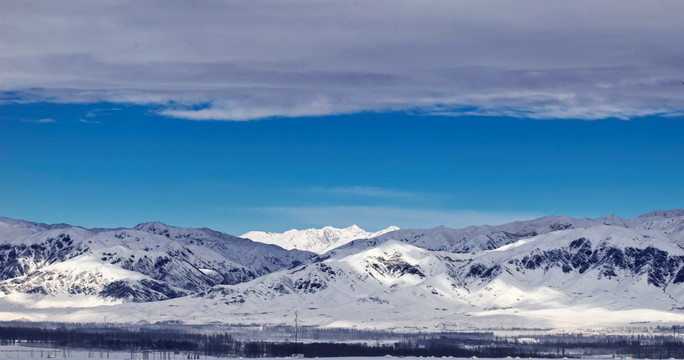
pixel 378 217
pixel 38 121
pixel 251 60
pixel 92 122
pixel 370 192
pixel 97 112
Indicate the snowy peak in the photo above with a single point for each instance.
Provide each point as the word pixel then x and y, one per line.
pixel 172 232
pixel 152 226
pixel 315 240
pixel 663 214
pixel 149 262
pixel 391 274
pixel 394 263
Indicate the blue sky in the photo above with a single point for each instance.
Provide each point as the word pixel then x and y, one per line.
pixel 113 165
pixel 271 115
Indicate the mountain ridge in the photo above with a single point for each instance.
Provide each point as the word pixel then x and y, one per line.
pixel 555 271
pixel 171 260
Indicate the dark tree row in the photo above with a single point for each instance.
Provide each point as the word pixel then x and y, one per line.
pixel 190 341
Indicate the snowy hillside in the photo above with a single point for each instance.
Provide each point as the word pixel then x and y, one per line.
pixel 315 240
pixel 553 272
pixel 603 274
pixel 150 262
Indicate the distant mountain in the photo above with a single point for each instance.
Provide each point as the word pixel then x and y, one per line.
pixel 477 238
pixel 552 272
pixel 149 262
pixel 315 240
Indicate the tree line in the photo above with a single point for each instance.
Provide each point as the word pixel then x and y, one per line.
pixel 222 344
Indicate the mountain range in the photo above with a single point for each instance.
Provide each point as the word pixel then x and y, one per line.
pixel 553 272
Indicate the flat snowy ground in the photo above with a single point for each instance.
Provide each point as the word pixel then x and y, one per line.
pixel 28 353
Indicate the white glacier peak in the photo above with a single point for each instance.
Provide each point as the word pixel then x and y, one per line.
pixel 315 240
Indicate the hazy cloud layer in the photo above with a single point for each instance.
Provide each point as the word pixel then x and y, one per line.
pixel 244 60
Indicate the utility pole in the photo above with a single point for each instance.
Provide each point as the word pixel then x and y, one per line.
pixel 296 331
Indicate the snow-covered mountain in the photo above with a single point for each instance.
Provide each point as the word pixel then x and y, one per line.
pixel 477 238
pixel 574 277
pixel 315 240
pixel 552 272
pixel 149 262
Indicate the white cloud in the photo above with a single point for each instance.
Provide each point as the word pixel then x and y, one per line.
pixel 240 111
pixel 249 60
pixel 379 217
